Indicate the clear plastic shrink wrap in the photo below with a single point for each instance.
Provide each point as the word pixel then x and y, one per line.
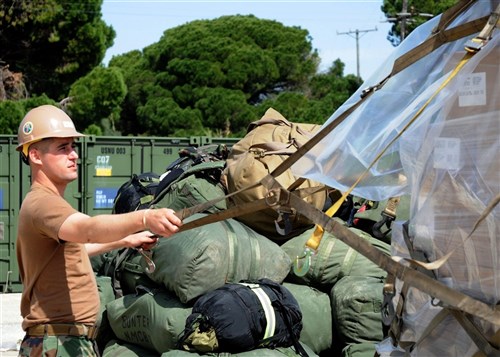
pixel 447 160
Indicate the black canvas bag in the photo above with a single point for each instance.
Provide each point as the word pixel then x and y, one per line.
pixel 243 316
pixel 137 193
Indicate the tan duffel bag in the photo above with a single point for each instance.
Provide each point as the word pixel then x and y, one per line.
pixel 268 142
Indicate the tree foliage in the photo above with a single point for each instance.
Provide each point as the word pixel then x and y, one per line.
pixel 53 42
pixel 206 77
pixel 138 79
pixel 417 12
pixel 96 99
pixel 12 112
pixel 325 93
pixel 214 73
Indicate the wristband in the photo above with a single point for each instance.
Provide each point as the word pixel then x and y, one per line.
pixel 144 222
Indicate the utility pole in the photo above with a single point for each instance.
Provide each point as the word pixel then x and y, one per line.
pixel 356 36
pixel 404 18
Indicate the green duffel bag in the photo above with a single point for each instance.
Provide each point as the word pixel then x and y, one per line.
pixel 365 349
pixel 259 352
pixel 198 184
pixel 97 262
pixel 116 348
pixel 101 263
pixel 106 294
pixel 356 309
pixel 333 259
pixel 126 268
pixel 202 259
pixel 152 319
pixel 132 273
pixel 105 333
pixel 377 217
pixel 316 316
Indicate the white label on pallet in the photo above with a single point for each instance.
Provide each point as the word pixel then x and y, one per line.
pixel 447 153
pixel 473 90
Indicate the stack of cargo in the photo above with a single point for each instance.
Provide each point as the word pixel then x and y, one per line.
pixel 429 127
pixel 455 180
pixel 340 295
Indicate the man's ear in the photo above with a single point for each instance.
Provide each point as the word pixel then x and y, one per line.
pixel 34 155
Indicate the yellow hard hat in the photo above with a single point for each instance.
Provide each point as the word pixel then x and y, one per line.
pixel 45 121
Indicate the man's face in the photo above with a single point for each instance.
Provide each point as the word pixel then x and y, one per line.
pixel 59 159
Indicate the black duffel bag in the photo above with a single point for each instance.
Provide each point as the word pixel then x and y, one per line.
pixel 243 316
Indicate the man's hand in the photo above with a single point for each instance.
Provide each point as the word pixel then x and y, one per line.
pixel 161 221
pixel 144 239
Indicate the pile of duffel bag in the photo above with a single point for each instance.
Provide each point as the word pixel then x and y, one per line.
pixel 228 287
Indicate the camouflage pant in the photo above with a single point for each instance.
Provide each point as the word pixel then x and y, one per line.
pixel 56 346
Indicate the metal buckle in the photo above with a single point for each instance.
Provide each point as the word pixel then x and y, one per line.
pixel 475 44
pixel 387 310
pixel 303 263
pixel 148 257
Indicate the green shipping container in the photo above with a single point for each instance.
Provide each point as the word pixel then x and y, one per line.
pixel 110 161
pixel 11 183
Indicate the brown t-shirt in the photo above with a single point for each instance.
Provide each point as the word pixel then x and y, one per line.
pixel 59 284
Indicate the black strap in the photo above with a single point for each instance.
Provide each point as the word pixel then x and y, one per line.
pixel 173 175
pixel 113 270
pixel 288 322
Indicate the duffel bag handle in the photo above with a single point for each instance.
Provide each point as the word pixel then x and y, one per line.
pixel 271 116
pixel 278 121
pixel 274 148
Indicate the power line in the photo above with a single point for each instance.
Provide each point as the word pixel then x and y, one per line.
pixel 356 36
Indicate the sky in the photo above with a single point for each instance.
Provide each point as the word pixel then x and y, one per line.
pixel 337 28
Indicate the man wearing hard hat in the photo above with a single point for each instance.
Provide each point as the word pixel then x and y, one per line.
pixel 60 301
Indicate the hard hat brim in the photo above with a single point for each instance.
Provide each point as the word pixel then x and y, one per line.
pixel 58 134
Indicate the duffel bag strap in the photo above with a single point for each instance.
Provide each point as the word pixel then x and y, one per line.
pixel 286 317
pixel 267 306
